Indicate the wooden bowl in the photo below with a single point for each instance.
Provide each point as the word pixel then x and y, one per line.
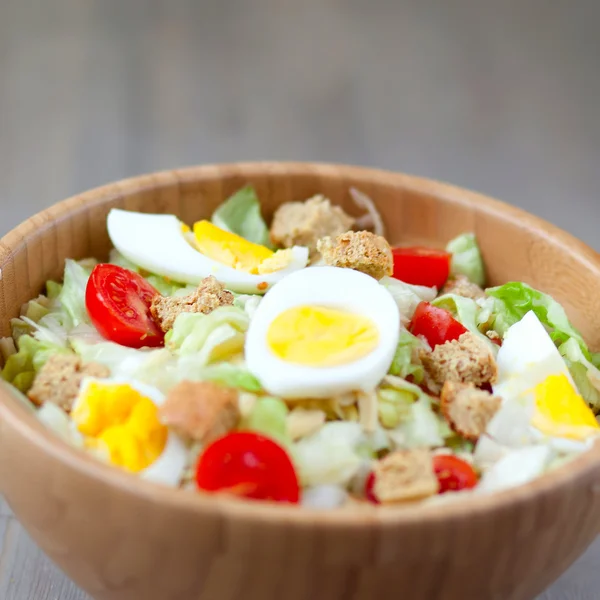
pixel 124 539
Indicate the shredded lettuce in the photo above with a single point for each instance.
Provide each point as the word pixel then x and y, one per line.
pixel 240 214
pixel 585 374
pixel 21 368
pixel 407 296
pixel 269 417
pixel 330 456
pixel 72 295
pixel 466 258
pixel 467 312
pixel 403 363
pixel 515 299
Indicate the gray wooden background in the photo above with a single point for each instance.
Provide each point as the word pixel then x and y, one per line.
pixel 499 96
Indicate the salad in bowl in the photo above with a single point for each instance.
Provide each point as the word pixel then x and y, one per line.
pixel 308 361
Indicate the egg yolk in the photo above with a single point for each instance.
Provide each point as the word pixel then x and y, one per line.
pixel 120 420
pixel 228 248
pixel 321 337
pixel 560 411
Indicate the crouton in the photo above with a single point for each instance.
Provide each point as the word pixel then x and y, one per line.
pixel 461 286
pixel 60 378
pixel 304 223
pixel 465 360
pixel 200 411
pixel 359 250
pixel 405 475
pixel 210 295
pixel 467 409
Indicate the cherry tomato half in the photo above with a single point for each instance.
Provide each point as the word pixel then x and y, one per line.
pixel 118 303
pixel 453 473
pixel 249 465
pixel 419 265
pixel 436 325
pixel 370 489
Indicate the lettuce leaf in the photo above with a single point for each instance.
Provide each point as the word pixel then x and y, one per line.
pixel 407 296
pixel 514 300
pixel 21 368
pixel 268 417
pixel 240 214
pixel 72 295
pixel 585 374
pixel 466 258
pixel 403 364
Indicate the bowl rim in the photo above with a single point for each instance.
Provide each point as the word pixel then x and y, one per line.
pixel 15 416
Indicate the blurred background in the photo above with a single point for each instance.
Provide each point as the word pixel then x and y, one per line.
pixel 500 97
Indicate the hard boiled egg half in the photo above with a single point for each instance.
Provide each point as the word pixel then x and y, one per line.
pixel 160 244
pixel 540 399
pixel 119 423
pixel 323 331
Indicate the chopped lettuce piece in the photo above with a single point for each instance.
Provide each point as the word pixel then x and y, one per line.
pixel 268 417
pixel 72 295
pixel 163 285
pixel 466 311
pixel 583 371
pixel 20 368
pixel 394 406
pixel 330 456
pixel 240 214
pixel 407 296
pixel 466 258
pixel 324 497
pixel 514 300
pixel 404 363
pixel 53 289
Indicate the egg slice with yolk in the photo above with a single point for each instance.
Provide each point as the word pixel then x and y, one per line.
pixel 160 244
pixel 119 422
pixel 321 332
pixel 537 390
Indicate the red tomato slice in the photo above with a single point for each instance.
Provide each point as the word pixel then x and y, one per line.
pixel 370 489
pixel 118 303
pixel 436 325
pixel 421 266
pixel 248 465
pixel 453 473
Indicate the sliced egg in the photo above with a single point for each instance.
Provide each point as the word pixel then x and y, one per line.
pixel 119 422
pixel 322 332
pixel 159 244
pixel 540 399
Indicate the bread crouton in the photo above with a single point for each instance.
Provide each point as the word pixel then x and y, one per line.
pixel 359 250
pixel 465 360
pixel 200 411
pixel 467 409
pixel 405 475
pixel 461 286
pixel 60 378
pixel 210 295
pixel 304 223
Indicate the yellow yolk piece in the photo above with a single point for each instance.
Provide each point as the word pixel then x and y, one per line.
pixel 185 228
pixel 560 411
pixel 123 421
pixel 228 248
pixel 321 337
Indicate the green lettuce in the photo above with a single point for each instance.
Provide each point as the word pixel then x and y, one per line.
pixel 514 300
pixel 268 417
pixel 407 296
pixel 213 337
pixel 403 364
pixel 585 374
pixel 21 368
pixel 240 214
pixel 466 258
pixel 72 295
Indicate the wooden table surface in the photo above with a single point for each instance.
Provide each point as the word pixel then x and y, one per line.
pixel 501 97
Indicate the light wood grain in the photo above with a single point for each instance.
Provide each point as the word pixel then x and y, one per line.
pixel 500 97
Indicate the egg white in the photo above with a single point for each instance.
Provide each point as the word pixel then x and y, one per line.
pixel 168 468
pixel 330 287
pixel 157 244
